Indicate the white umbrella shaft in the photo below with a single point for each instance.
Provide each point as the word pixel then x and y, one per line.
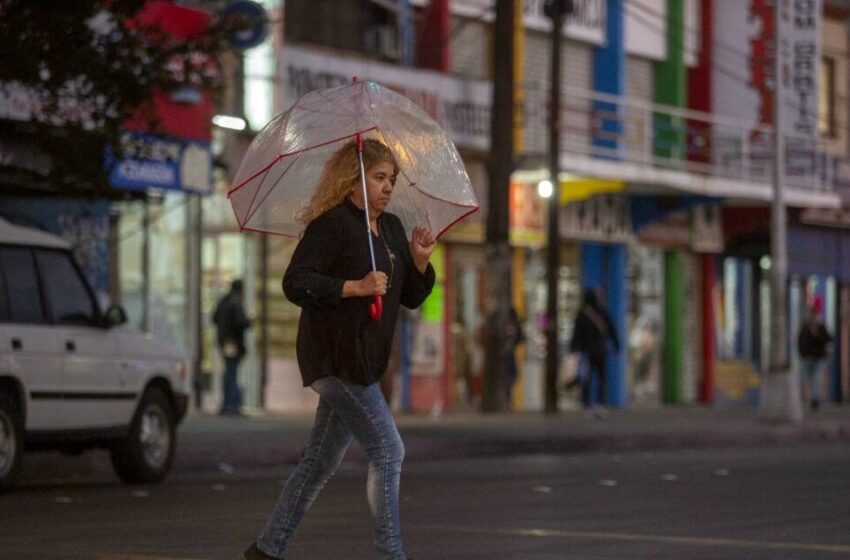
pixel 366 210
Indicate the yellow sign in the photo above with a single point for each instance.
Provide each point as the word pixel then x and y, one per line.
pixel 582 188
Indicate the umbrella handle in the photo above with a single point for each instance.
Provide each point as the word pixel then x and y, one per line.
pixel 376 308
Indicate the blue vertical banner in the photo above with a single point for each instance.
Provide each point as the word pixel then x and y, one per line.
pixel 603 267
pixel 609 77
pixel 618 306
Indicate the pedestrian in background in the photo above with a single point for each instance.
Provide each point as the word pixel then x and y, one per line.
pixel 342 352
pixel 231 323
pixel 514 336
pixel 591 332
pixel 813 345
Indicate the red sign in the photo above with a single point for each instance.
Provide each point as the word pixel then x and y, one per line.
pixel 187 113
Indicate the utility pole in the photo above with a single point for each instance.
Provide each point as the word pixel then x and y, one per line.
pixel 780 396
pixel 557 11
pixel 498 249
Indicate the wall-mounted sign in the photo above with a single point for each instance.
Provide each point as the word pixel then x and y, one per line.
pixel 707 228
pixel 601 218
pixel 243 12
pixel 159 162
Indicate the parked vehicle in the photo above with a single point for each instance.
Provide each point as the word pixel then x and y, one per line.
pixel 74 377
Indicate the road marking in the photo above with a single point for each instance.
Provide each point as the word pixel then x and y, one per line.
pixel 636 537
pixel 140 557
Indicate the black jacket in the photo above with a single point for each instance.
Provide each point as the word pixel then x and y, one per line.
pixel 813 340
pixel 336 336
pixel 593 326
pixel 231 322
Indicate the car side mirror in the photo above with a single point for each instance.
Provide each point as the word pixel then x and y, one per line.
pixel 114 316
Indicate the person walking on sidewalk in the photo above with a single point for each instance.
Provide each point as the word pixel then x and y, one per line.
pixel 813 344
pixel 591 332
pixel 231 323
pixel 342 352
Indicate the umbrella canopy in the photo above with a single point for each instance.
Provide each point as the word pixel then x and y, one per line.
pixel 283 164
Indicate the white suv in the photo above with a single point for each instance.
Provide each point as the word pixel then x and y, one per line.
pixel 71 377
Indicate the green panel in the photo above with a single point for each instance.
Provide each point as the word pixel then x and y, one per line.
pixel 674 306
pixel 671 87
pixel 433 309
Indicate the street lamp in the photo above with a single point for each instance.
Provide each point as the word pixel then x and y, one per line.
pixel 557 11
pixel 544 189
pixel 230 122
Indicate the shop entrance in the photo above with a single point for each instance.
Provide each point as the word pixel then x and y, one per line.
pixel 224 258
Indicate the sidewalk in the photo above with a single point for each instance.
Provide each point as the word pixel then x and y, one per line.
pixel 224 443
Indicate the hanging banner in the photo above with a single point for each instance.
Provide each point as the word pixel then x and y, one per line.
pixel 742 85
pixel 799 52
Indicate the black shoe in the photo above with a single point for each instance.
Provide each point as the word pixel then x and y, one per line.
pixel 254 553
pixel 815 404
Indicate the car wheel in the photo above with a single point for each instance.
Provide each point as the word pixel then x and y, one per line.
pixel 11 441
pixel 146 454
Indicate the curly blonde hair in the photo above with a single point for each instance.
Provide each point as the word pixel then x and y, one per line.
pixel 341 172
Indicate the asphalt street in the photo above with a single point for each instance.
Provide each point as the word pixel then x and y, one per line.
pixel 781 502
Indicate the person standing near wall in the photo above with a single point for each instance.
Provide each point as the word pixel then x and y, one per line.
pixel 231 323
pixel 813 345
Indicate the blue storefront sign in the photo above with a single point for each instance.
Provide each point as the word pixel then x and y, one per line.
pixel 150 161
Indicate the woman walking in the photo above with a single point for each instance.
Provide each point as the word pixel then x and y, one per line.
pixel 342 352
pixel 593 328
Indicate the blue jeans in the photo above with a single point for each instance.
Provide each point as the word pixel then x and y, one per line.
pixel 230 386
pixel 813 372
pixel 345 412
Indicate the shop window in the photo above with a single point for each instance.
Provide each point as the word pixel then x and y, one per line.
pixel 826 101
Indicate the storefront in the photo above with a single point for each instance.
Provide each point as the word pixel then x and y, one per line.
pixel 818 264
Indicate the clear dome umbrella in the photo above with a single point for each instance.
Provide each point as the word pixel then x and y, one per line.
pixel 282 166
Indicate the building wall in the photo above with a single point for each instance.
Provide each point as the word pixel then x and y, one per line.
pixel 536 82
pixel 639 86
pixel 576 72
pixel 342 26
pixel 639 78
pixel 470 51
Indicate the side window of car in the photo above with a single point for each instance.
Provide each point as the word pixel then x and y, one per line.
pixel 4 296
pixel 22 287
pixel 70 301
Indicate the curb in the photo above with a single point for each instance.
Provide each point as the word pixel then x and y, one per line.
pixel 269 450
